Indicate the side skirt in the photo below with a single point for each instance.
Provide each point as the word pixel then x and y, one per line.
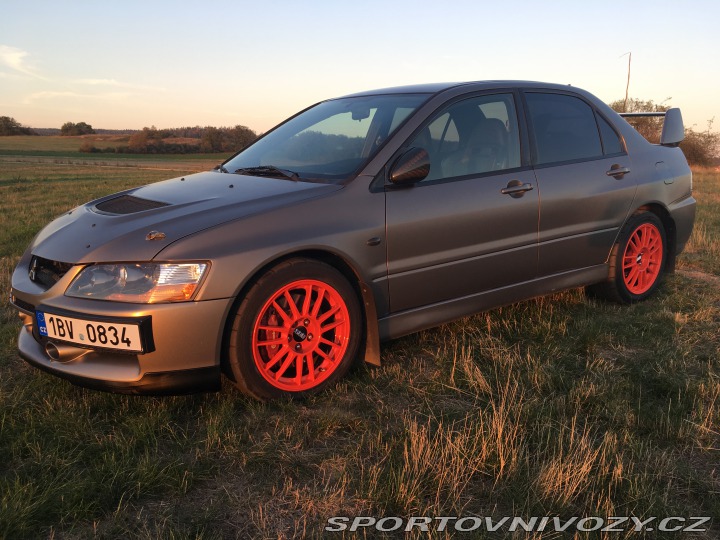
pixel 414 320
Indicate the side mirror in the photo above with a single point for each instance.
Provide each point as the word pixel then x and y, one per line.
pixel 673 129
pixel 411 167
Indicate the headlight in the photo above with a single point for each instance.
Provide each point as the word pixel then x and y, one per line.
pixel 145 283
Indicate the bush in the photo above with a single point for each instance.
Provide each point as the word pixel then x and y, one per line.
pixel 87 146
pixel 81 128
pixel 700 148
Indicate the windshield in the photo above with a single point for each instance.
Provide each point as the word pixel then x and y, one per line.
pixel 328 141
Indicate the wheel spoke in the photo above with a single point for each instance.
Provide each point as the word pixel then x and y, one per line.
pixel 293 307
pixel 322 354
pixel 328 314
pixel 318 303
pixel 285 365
pixel 655 250
pixel 271 342
pixel 311 367
pixel 633 246
pixel 653 242
pixel 280 311
pixel 277 329
pixel 306 302
pixel 298 369
pixel 326 342
pixel 275 359
pixel 334 324
pixel 632 277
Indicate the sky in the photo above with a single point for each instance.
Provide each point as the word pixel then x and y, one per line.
pixel 129 64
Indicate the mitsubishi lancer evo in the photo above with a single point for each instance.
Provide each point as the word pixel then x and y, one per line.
pixel 358 220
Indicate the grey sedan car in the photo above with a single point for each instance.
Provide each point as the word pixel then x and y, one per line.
pixel 360 219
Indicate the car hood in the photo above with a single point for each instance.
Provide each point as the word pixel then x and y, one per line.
pixel 118 227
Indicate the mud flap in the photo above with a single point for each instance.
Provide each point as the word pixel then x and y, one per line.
pixel 372 340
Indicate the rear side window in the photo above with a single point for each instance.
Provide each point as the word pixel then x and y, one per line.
pixel 564 128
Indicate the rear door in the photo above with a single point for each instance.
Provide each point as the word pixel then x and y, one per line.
pixel 472 224
pixel 584 177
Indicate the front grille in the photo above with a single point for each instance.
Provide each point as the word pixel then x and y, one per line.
pixel 127 204
pixel 46 272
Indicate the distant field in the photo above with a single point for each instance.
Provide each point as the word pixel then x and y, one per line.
pixel 560 406
pixel 67 148
pixel 56 143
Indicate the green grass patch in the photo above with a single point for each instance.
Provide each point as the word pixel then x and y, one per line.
pixel 54 144
pixel 562 405
pixel 68 148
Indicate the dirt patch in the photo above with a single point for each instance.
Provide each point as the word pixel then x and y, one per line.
pixel 700 276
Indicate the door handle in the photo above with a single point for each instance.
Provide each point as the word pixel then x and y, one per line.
pixel 617 171
pixel 516 189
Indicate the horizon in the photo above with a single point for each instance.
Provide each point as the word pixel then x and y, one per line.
pixel 227 63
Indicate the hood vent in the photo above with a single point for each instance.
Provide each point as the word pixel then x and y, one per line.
pixel 127 204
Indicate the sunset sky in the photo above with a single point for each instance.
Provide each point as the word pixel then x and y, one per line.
pixel 134 63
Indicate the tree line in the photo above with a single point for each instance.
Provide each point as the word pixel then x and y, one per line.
pixel 151 140
pixel 148 140
pixel 10 126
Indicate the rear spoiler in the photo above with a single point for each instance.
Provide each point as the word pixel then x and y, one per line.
pixel 673 128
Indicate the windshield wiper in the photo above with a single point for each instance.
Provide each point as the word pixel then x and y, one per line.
pixel 269 170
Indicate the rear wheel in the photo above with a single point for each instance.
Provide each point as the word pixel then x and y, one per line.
pixel 637 261
pixel 296 331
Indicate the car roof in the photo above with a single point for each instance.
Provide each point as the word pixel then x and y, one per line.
pixel 435 88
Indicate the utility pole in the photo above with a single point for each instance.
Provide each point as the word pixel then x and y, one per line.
pixel 627 87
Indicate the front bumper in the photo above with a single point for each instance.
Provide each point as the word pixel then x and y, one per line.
pixel 88 372
pixel 187 339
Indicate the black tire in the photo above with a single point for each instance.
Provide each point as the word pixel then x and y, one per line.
pixel 637 261
pixel 271 341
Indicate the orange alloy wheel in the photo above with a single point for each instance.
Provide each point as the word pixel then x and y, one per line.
pixel 642 259
pixel 301 335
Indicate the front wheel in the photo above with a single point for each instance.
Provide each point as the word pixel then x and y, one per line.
pixel 637 261
pixel 296 332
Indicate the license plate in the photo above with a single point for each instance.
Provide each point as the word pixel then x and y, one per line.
pixel 106 335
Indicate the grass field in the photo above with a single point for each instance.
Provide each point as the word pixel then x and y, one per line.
pixel 560 406
pixel 65 150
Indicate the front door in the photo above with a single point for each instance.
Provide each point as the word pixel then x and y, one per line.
pixel 472 224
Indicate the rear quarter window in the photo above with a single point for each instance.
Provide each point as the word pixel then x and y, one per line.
pixel 611 142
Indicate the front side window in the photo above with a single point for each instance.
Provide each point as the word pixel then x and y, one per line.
pixel 472 137
pixel 564 128
pixel 330 140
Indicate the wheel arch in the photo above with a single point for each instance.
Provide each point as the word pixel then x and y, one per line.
pixel 371 352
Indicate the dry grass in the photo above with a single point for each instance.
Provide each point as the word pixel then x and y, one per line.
pixel 561 406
